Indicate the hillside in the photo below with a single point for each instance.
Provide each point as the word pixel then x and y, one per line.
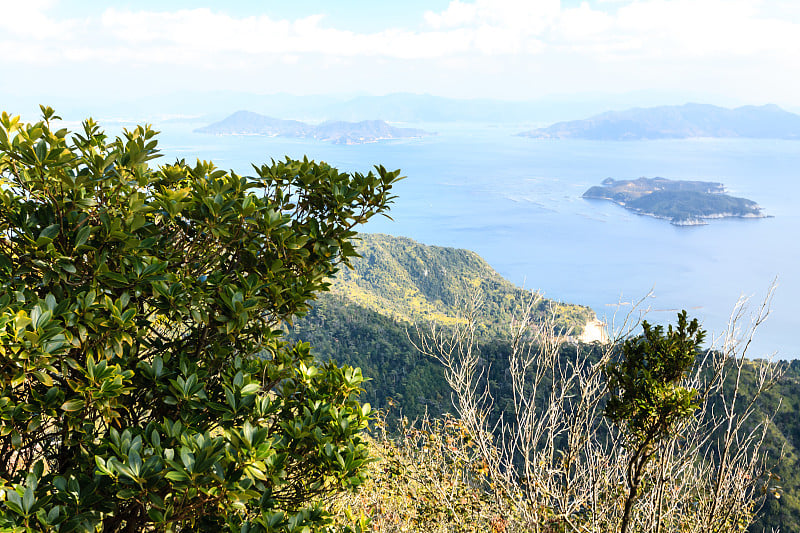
pixel 367 317
pixel 412 282
pixel 366 321
pixel 678 122
pixel 338 132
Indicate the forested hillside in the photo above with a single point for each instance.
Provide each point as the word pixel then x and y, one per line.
pixel 366 321
pixel 412 282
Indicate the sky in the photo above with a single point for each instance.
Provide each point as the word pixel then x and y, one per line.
pixel 734 51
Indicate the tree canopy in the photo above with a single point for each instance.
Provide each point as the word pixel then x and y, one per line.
pixel 647 396
pixel 145 384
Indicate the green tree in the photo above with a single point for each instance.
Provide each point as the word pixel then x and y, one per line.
pixel 145 385
pixel 647 400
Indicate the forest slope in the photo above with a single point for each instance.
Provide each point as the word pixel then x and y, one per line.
pixel 412 282
pixel 366 320
pixel 367 317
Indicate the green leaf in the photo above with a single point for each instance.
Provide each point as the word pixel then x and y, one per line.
pixel 101 465
pixel 250 388
pixel 43 377
pixel 53 514
pixel 14 502
pixel 28 499
pixel 50 231
pixel 73 405
pixel 115 279
pixel 41 319
pixel 178 476
pixel 83 235
pixel 127 494
pixel 135 462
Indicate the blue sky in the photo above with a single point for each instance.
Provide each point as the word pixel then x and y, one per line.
pixel 734 51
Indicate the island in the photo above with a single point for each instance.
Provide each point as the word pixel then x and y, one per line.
pixel 337 132
pixel 678 122
pixel 684 203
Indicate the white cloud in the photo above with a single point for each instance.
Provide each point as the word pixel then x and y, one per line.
pixel 215 35
pixel 457 14
pixel 29 19
pixel 640 37
pixel 676 28
pixel 584 24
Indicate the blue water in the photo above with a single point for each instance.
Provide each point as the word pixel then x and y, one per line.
pixel 516 202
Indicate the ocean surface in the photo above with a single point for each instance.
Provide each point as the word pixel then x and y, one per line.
pixel 517 202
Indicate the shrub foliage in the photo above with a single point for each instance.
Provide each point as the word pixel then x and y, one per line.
pixel 145 385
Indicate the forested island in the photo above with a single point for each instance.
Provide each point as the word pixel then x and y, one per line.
pixel 337 132
pixel 684 203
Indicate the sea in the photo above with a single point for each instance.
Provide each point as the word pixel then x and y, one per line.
pixel 517 202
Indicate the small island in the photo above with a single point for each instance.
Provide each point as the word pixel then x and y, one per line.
pixel 337 132
pixel 684 203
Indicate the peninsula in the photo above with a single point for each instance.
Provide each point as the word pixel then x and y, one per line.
pixel 337 132
pixel 684 203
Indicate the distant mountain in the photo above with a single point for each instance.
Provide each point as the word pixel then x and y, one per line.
pixel 205 107
pixel 396 107
pixel 339 132
pixel 678 122
pixel 249 123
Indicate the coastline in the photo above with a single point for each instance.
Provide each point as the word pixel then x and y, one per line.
pixel 695 220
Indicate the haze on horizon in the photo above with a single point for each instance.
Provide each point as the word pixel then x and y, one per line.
pixel 726 52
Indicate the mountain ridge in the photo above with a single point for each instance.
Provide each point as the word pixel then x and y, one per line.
pixel 678 122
